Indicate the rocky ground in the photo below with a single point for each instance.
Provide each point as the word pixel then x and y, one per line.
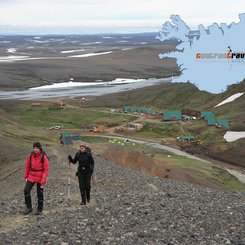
pixel 127 207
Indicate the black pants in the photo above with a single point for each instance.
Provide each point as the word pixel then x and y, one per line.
pixel 27 192
pixel 84 179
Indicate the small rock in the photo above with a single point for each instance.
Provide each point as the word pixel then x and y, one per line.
pixel 151 187
pixel 142 234
pixel 45 234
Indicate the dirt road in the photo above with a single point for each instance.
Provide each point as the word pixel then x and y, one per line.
pixel 239 174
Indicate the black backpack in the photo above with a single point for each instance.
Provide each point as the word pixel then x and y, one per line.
pixel 42 157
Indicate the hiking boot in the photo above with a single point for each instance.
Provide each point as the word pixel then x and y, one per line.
pixel 27 211
pixel 38 212
pixel 83 203
pixel 88 200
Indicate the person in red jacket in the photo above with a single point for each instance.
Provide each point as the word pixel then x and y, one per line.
pixel 36 172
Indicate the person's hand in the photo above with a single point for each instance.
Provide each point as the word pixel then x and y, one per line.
pixel 70 158
pixel 42 184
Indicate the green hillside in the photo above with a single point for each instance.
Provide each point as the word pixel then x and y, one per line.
pixel 165 96
pixel 21 124
pixel 185 96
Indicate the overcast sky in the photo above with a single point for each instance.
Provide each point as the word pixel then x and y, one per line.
pixel 110 16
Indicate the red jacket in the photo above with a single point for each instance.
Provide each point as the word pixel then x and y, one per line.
pixel 35 170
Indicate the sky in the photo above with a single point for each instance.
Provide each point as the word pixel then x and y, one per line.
pixel 110 16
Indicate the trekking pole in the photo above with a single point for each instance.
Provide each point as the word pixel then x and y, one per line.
pixel 94 180
pixel 69 182
pixel 95 189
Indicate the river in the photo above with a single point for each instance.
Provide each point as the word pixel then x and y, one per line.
pixel 72 89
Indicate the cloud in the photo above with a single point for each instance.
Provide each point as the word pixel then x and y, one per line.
pixel 51 12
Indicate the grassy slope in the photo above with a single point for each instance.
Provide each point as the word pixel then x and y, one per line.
pixel 75 118
pixel 235 110
pixel 178 96
pixel 186 96
pixel 23 125
pixel 206 171
pixel 164 96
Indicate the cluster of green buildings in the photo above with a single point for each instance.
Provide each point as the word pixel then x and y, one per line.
pixel 171 115
pixel 211 119
pixel 137 109
pixel 175 115
pixel 206 115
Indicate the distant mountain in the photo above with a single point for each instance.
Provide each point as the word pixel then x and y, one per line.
pixel 132 39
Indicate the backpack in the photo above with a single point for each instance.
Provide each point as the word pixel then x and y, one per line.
pixel 42 156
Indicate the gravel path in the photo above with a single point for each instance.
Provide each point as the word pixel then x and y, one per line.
pixel 127 207
pixel 240 175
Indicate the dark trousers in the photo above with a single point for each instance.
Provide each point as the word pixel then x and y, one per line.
pixel 27 193
pixel 84 179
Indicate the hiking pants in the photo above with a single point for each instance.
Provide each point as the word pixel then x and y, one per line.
pixel 27 193
pixel 84 179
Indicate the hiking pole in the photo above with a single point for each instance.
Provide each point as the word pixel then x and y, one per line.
pixel 69 182
pixel 95 189
pixel 94 180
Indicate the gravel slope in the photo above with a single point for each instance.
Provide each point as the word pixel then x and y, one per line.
pixel 127 207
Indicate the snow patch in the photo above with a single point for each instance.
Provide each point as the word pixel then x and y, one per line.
pixel 11 50
pixel 12 58
pixel 91 43
pixel 230 99
pixel 108 37
pixel 89 54
pixel 83 84
pixel 231 136
pixel 71 51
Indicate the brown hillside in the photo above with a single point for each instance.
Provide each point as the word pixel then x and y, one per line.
pixel 139 161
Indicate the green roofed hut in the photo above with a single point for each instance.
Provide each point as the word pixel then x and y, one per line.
pixel 127 109
pixel 171 115
pixel 205 114
pixel 66 138
pixel 209 117
pixel 186 138
pixel 224 123
pixel 211 120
